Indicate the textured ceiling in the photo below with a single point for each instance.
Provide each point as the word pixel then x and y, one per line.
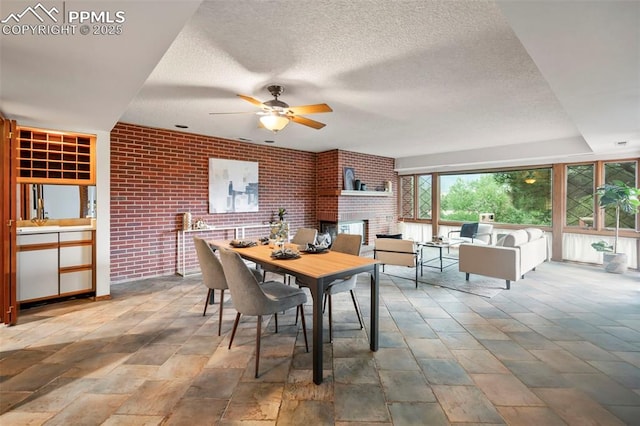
pixel 432 84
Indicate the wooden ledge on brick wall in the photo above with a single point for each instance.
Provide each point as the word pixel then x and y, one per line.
pixel 337 192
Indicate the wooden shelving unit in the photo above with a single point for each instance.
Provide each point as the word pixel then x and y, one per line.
pixel 55 157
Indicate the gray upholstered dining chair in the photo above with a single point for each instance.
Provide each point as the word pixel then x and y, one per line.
pixel 349 244
pixel 213 275
pixel 251 298
pixel 302 237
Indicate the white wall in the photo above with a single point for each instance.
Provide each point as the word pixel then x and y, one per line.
pixel 103 220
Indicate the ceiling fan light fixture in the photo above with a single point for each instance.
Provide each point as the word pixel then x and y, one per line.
pixel 274 122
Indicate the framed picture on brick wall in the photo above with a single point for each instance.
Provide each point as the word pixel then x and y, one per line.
pixel 233 186
pixel 349 178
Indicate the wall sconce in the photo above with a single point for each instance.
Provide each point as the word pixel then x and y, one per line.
pixel 274 121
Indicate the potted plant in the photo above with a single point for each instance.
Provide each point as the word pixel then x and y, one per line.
pixel 621 197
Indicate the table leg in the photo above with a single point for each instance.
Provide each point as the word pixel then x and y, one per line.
pixel 375 314
pixel 316 295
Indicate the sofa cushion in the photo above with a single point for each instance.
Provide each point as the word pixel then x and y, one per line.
pixel 515 239
pixel 534 233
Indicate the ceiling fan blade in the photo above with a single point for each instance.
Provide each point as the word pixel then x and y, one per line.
pixel 253 101
pixel 310 109
pixel 307 122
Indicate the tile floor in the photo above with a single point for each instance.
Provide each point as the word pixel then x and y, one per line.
pixel 561 347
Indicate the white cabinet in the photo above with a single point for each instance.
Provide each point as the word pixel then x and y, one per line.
pixel 37 262
pixel 54 264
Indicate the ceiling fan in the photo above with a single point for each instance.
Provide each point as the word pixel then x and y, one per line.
pixel 275 114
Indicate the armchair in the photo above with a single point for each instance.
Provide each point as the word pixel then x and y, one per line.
pixel 475 233
pixel 392 251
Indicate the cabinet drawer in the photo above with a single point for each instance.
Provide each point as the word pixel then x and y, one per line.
pixel 76 281
pixel 75 236
pixel 75 256
pixel 33 239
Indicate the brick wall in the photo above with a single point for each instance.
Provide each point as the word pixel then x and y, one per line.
pixel 156 175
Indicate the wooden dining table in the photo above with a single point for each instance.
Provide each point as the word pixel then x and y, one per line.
pixel 317 271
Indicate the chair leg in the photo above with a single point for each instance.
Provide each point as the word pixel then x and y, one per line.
pixel 235 326
pixel 258 330
pixel 355 305
pixel 304 327
pixel 275 316
pixel 467 276
pixel 508 285
pixel 264 276
pixel 221 309
pixel 206 301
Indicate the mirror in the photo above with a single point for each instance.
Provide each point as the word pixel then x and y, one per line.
pixel 58 201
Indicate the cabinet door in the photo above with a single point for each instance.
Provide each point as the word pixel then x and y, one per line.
pixel 37 274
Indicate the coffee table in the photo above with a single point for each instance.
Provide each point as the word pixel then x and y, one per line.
pixel 442 261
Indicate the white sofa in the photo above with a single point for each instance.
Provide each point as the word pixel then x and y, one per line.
pixel 514 255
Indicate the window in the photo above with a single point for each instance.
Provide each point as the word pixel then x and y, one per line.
pixel 424 197
pixel 406 197
pixel 515 196
pixel 625 172
pixel 580 198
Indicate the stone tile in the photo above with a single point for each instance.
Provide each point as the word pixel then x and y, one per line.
pixel 624 373
pixel 532 340
pixel 468 318
pixel 156 354
pixel 429 348
pixel 610 342
pixel 416 413
pixel 34 377
pixel 630 357
pixel 56 395
pixel 391 339
pixel 536 374
pixel 155 397
pixel 530 416
pixel 507 350
pixel 254 401
pixel 628 414
pixel 459 340
pixel 486 332
pixel 466 404
pixel 102 406
pixel 446 325
pixel 479 361
pixel 218 383
pixel 587 351
pixel 603 389
pixel 417 330
pixel 23 418
pixel 19 361
pixel 125 379
pixel 360 403
pixel 509 325
pixel 349 348
pixel 395 359
pixel 444 372
pixel 132 420
pixel 505 389
pixel 195 411
pixel 625 333
pixel 300 387
pixel 575 408
pixel 405 386
pixel 293 413
pixel 354 371
pixel 562 361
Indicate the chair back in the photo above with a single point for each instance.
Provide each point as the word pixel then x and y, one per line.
pixel 347 243
pixel 212 273
pixel 391 251
pixel 484 232
pixel 468 230
pixel 248 298
pixel 305 236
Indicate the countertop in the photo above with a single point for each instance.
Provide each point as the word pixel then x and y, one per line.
pixel 52 228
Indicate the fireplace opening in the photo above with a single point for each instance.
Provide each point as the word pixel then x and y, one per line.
pixel 357 227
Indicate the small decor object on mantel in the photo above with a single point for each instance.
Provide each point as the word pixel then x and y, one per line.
pixel 349 179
